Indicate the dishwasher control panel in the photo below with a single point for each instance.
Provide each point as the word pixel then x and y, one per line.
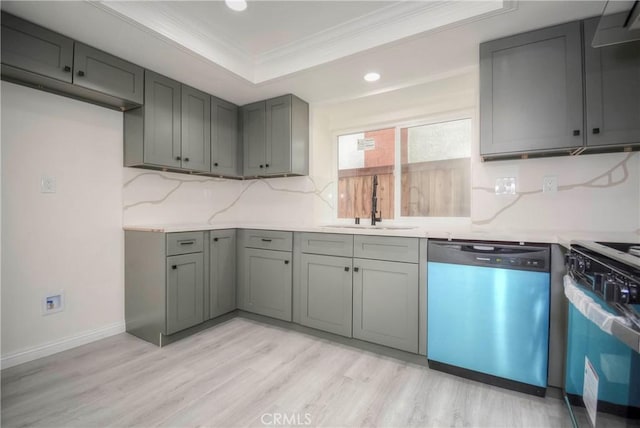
pixel 507 256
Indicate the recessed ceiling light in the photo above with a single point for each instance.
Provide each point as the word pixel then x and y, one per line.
pixel 372 77
pixel 237 5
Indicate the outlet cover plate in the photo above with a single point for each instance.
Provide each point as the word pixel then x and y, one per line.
pixel 549 184
pixel 47 184
pixel 506 186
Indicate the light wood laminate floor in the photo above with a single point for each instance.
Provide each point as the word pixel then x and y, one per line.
pixel 246 373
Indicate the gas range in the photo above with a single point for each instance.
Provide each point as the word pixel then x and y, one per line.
pixel 612 272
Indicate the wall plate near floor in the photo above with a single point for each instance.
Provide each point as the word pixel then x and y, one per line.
pixel 53 303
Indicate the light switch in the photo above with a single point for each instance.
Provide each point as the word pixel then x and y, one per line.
pixel 47 184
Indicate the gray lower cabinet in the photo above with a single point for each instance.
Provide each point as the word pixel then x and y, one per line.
pixel 185 291
pixel 164 283
pixel 226 153
pixel 37 57
pixel 531 92
pixel 612 91
pixel 326 286
pixel 265 278
pixel 385 303
pixel 276 137
pixel 222 272
pixel 267 282
pixel 173 128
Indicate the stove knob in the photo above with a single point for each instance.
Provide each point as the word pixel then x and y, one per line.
pixel 616 290
pixel 623 295
pixel 568 260
pixel 598 283
pixel 608 288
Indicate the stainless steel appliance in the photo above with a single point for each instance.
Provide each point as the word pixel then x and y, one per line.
pixel 602 376
pixel 488 312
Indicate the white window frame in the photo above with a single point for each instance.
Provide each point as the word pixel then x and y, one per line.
pixel 397 167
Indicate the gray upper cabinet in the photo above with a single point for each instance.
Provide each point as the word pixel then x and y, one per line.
pixel 196 130
pixel 36 49
pixel 253 138
pixel 385 303
pixel 326 287
pixel 531 92
pixel 172 129
pixel 276 137
pixel 225 147
pixel 43 59
pixel 222 272
pixel 612 83
pixel 158 122
pixel 99 71
pixel 185 290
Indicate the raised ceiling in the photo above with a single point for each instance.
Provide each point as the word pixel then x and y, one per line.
pixel 318 50
pixel 271 39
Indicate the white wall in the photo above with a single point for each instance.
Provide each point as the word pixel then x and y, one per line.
pixel 71 240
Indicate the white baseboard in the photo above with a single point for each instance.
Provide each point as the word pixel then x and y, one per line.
pixel 51 348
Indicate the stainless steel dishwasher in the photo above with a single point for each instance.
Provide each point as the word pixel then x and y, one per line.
pixel 488 312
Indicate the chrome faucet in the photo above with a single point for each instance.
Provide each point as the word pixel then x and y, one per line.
pixel 374 202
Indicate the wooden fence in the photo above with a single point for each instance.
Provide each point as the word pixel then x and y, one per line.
pixel 429 189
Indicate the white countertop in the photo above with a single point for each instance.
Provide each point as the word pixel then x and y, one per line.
pixel 463 233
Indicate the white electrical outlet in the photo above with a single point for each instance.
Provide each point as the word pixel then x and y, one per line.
pixel 47 184
pixel 53 303
pixel 506 186
pixel 550 184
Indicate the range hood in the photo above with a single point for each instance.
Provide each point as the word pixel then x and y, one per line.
pixel 620 23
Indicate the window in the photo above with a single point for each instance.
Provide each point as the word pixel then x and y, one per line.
pixel 423 171
pixel 360 157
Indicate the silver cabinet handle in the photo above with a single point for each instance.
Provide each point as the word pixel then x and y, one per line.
pixel 191 242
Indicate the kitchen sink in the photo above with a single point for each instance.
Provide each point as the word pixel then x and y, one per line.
pixel 366 226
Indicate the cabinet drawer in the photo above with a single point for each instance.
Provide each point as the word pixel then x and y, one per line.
pixel 184 243
pixel 268 240
pixel 331 244
pixel 386 248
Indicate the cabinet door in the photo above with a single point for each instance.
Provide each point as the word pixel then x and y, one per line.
pixel 224 137
pixel 278 139
pixel 222 272
pixel 36 49
pixel 253 138
pixel 268 283
pixel 612 82
pixel 531 92
pixel 161 121
pixel 385 303
pixel 196 129
pixel 99 71
pixel 185 291
pixel 326 293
